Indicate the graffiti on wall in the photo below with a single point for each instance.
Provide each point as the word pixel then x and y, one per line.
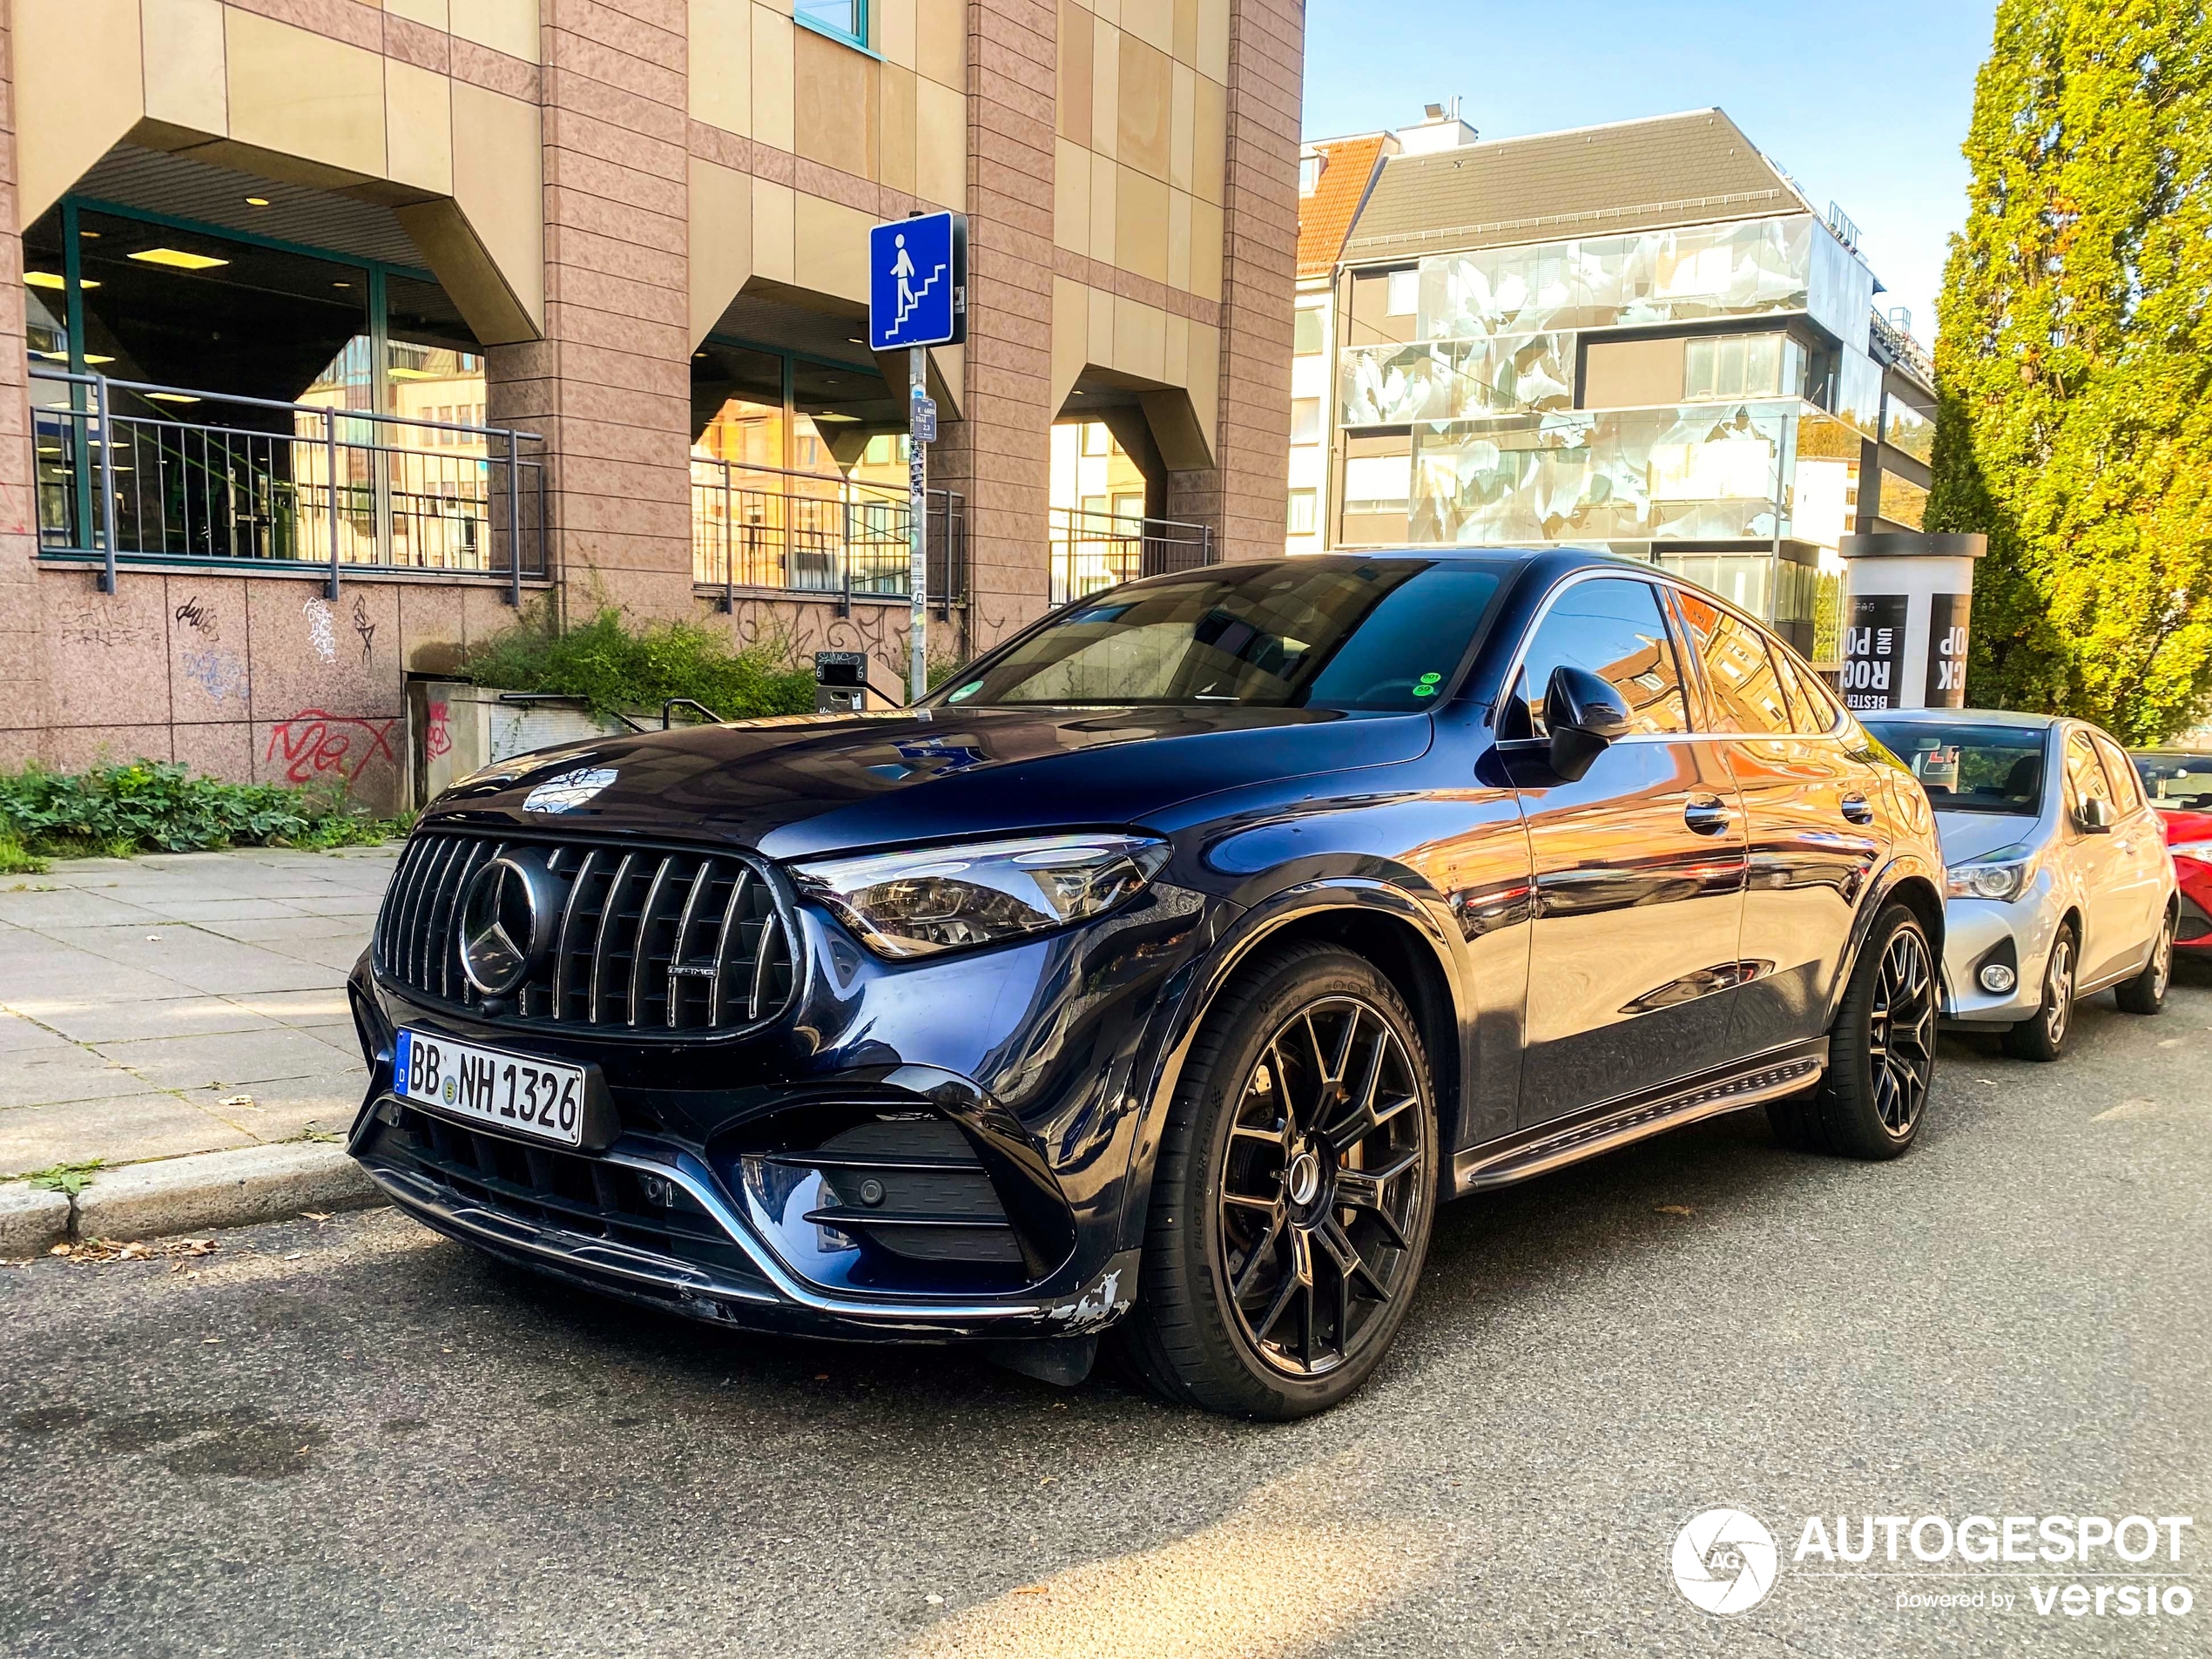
pixel 98 624
pixel 316 743
pixel 364 628
pixel 197 615
pixel 219 673
pixel 320 634
pixel 437 728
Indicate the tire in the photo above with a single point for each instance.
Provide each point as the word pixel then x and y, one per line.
pixel 1261 1136
pixel 2045 1036
pixel 2146 993
pixel 1881 1051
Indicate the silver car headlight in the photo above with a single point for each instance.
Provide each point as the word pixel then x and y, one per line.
pixel 945 898
pixel 1998 878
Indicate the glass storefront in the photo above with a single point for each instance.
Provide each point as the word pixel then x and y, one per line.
pixel 231 330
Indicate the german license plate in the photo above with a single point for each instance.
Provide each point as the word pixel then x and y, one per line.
pixel 541 1098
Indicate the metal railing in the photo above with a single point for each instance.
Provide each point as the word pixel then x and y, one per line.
pixel 282 483
pixel 1095 550
pixel 797 532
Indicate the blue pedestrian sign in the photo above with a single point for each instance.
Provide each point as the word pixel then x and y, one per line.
pixel 918 282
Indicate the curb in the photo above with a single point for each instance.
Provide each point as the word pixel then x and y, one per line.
pixel 195 1194
pixel 32 1220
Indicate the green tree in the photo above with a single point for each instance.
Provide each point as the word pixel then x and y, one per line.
pixel 2074 361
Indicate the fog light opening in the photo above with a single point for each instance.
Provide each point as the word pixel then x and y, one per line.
pixel 1997 978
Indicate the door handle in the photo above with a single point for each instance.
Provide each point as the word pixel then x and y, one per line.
pixel 1857 810
pixel 1706 815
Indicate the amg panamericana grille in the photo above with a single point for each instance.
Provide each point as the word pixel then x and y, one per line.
pixel 644 941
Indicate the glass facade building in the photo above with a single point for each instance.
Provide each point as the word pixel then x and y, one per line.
pixel 1711 392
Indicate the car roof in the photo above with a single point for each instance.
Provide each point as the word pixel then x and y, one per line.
pixel 1964 717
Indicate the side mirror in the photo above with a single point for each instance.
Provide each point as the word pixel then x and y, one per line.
pixel 1584 715
pixel 2094 816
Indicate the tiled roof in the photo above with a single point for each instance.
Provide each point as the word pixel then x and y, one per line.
pixel 1631 175
pixel 1346 170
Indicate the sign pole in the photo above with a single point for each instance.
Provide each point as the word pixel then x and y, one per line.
pixel 917 412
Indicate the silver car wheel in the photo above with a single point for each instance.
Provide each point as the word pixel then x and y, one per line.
pixel 2058 990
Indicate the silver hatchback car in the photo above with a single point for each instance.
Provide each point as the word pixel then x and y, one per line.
pixel 2060 880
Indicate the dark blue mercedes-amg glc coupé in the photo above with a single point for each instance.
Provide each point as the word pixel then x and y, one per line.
pixel 1155 979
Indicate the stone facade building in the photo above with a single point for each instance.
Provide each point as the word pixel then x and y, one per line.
pixel 335 328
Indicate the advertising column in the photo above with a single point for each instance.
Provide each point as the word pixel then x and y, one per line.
pixel 1905 628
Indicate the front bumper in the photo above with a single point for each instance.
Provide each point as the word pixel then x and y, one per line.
pixel 987 1106
pixel 691 1252
pixel 1979 930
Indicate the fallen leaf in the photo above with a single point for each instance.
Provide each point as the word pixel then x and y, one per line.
pixel 1672 1210
pixel 58 1250
pixel 313 1215
pixel 1031 1589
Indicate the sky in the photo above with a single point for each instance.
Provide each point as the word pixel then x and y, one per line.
pixel 1863 102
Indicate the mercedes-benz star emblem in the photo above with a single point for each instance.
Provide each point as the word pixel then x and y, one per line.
pixel 503 914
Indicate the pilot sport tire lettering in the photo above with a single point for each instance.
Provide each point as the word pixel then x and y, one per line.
pixel 1881 1050
pixel 1293 1200
pixel 2146 993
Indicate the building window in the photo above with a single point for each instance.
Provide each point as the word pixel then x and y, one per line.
pixel 1732 366
pixel 1306 419
pixel 1306 338
pixel 1405 292
pixel 1304 506
pixel 1374 483
pixel 1309 173
pixel 1096 442
pixel 847 19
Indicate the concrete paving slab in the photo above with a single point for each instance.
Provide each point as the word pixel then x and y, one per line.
pixel 41 1076
pixel 244 907
pixel 98 1019
pixel 221 1059
pixel 137 1126
pixel 18 1035
pixel 199 960
pixel 66 907
pixel 299 1007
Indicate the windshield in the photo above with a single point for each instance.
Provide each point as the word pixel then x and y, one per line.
pixel 1377 634
pixel 2176 783
pixel 1971 768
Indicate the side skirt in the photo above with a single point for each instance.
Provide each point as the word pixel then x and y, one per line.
pixel 1772 1076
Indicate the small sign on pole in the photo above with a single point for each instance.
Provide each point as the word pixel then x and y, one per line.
pixel 917 299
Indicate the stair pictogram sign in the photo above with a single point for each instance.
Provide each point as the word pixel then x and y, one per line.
pixel 917 282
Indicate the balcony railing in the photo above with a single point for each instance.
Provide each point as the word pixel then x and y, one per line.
pixel 1095 550
pixel 265 483
pixel 797 532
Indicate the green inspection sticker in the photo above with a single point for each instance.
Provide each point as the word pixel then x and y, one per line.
pixel 1425 686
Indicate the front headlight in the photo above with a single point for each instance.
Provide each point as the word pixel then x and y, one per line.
pixel 945 898
pixel 1990 877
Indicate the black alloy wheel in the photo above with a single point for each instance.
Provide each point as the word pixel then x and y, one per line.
pixel 2044 1036
pixel 1322 1174
pixel 1881 1050
pixel 1902 1031
pixel 1295 1189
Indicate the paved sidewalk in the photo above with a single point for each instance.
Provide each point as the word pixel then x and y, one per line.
pixel 181 1002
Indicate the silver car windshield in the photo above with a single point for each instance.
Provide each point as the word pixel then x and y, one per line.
pixel 1971 768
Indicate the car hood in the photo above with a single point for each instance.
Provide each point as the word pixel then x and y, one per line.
pixel 801 784
pixel 1973 835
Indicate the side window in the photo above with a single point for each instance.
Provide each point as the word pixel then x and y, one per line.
pixel 1810 712
pixel 2127 787
pixel 1611 627
pixel 2085 778
pixel 1739 671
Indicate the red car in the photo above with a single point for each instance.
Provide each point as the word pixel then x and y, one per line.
pixel 2179 783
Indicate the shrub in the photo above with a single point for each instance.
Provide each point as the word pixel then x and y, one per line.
pixel 152 805
pixel 614 667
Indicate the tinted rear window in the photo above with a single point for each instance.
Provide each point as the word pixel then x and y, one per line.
pixel 1971 768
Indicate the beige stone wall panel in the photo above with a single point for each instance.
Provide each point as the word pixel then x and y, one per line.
pixel 305 95
pixel 185 83
pixel 833 103
pixel 896 128
pixel 719 61
pixel 67 120
pixel 772 77
pixel 1146 106
pixel 508 26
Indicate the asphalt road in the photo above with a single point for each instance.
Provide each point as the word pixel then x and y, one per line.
pixel 352 1437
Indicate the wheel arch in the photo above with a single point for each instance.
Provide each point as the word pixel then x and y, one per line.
pixel 1911 880
pixel 1381 922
